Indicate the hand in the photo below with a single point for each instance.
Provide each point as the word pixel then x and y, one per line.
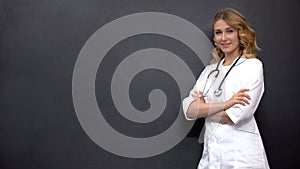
pixel 241 97
pixel 198 95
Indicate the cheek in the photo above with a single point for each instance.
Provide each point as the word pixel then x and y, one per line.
pixel 236 42
pixel 235 38
pixel 216 40
pixel 216 43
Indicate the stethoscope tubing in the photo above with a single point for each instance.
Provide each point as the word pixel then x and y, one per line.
pixel 218 91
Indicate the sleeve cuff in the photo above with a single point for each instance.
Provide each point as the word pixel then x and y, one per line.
pixel 185 105
pixel 233 114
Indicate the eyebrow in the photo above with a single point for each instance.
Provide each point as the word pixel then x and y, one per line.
pixel 225 29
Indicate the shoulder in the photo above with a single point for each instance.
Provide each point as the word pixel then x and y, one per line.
pixel 251 63
pixel 255 62
pixel 252 69
pixel 209 68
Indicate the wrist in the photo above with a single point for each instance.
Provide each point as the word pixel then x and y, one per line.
pixel 226 105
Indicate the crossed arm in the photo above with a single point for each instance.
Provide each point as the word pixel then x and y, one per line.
pixel 216 111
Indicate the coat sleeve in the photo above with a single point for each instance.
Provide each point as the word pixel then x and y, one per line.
pixel 199 85
pixel 254 81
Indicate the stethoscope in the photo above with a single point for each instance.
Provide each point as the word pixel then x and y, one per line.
pixel 218 91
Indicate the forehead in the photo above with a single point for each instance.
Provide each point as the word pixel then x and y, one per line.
pixel 221 24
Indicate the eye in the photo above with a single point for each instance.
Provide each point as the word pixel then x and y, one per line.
pixel 218 32
pixel 230 31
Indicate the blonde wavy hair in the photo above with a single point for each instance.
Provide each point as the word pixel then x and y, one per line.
pixel 246 34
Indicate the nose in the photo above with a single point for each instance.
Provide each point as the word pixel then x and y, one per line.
pixel 223 37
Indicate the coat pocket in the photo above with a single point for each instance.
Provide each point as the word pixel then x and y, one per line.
pixel 248 150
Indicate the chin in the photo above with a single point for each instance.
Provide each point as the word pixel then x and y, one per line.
pixel 226 51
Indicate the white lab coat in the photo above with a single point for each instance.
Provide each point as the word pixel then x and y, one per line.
pixel 239 145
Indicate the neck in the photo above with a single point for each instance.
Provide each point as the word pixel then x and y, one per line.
pixel 229 59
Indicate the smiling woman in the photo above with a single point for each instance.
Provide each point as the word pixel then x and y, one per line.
pixel 227 94
pixel 226 38
pixel 233 35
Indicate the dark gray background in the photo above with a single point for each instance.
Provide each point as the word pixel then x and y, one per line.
pixel 40 41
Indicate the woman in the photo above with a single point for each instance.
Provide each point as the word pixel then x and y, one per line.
pixel 226 94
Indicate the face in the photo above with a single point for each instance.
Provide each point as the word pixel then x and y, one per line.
pixel 226 38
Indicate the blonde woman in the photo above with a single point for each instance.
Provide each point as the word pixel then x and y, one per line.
pixel 227 94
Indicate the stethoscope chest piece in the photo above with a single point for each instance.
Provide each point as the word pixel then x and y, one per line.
pixel 218 92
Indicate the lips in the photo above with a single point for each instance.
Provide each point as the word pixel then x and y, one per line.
pixel 225 45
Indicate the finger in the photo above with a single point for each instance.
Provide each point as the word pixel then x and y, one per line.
pixel 195 96
pixel 244 90
pixel 246 101
pixel 244 98
pixel 242 103
pixel 197 93
pixel 245 95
